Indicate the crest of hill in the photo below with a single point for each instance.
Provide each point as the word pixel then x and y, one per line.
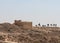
pixel 7 27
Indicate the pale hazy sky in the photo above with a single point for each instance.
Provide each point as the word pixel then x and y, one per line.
pixel 43 11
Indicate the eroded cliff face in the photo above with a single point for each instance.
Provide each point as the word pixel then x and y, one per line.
pixel 11 33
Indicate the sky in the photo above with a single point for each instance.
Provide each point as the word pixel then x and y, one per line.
pixel 37 11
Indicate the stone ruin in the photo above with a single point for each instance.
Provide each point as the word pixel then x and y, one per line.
pixel 23 24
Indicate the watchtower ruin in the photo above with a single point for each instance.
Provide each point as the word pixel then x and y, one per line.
pixel 23 24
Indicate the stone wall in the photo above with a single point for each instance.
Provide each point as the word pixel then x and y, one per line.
pixel 27 24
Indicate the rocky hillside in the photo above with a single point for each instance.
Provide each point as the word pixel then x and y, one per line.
pixel 11 33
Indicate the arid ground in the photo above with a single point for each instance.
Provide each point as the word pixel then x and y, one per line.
pixel 11 33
